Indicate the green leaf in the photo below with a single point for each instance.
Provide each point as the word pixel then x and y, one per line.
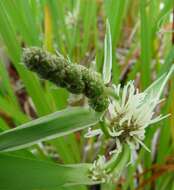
pixel 146 45
pixel 3 125
pixel 18 173
pixel 168 61
pixel 156 88
pixel 48 127
pixel 7 85
pixel 107 66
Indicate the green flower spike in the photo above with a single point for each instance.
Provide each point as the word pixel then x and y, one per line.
pixel 46 65
pixel 75 78
pixel 94 85
pixel 99 104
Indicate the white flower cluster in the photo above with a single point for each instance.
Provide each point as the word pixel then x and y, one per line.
pixel 129 116
pixel 98 172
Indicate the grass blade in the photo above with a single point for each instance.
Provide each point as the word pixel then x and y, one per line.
pixel 48 127
pixel 33 174
pixel 145 44
pixel 107 67
pixel 156 88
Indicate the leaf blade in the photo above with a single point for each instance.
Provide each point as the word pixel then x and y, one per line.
pixel 156 88
pixel 48 127
pixel 24 173
pixel 107 66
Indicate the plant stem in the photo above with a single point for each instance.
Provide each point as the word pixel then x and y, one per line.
pixel 103 127
pixel 109 91
pixel 117 162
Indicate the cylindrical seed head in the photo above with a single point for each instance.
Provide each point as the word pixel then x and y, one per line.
pixel 94 85
pixel 73 79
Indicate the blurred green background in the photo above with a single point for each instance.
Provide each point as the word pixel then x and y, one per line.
pixel 143 49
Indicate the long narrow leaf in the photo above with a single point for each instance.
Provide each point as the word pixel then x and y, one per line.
pixel 48 127
pixel 156 88
pixel 146 46
pixel 107 66
pixel 28 174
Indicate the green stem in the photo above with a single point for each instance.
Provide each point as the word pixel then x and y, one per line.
pixel 103 127
pixel 123 161
pixel 118 162
pixel 109 91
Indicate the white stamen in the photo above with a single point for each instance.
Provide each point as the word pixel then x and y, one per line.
pixel 92 133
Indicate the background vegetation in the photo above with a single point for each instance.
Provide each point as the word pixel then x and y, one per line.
pixel 143 49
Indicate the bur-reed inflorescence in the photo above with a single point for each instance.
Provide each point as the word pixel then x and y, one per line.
pixel 75 78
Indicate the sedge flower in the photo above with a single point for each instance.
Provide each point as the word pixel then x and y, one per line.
pixel 98 172
pixel 128 117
